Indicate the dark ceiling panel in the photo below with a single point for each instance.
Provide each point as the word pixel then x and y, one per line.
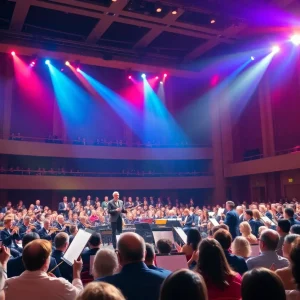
pixel 105 3
pixel 6 12
pixel 58 21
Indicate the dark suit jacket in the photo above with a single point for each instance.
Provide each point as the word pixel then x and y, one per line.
pixel 86 258
pixel 44 235
pixel 111 208
pixel 61 208
pixel 252 224
pixel 237 263
pixel 8 239
pixel 161 270
pixel 232 221
pixel 66 270
pixel 22 230
pixel 189 221
pixel 293 221
pixel 136 281
pixel 15 267
pixel 38 226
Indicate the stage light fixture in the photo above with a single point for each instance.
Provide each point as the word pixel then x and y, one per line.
pixel 143 76
pixel 295 39
pixel 32 64
pixel 275 49
pixel 252 58
pixel 114 0
pixel 156 77
pixel 13 53
pixel 161 82
pixel 67 63
pixel 165 75
pixel 159 10
pixel 129 77
pixel 212 21
pixel 47 62
pixel 78 69
pixel 174 11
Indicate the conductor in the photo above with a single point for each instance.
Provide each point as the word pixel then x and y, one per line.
pixel 115 208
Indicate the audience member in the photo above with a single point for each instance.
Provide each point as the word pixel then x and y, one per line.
pixel 241 247
pixel 10 236
pixel 261 229
pixel 15 266
pixel 100 291
pixel 164 246
pixel 295 229
pixel 283 229
pixel 4 257
pixel 150 258
pixel 94 246
pixel 220 279
pixel 184 284
pixel 245 230
pixel 237 263
pixel 286 273
pixel 268 258
pixel 105 263
pixel 289 215
pixel 295 262
pixel 193 240
pixel 136 281
pixel 262 284
pixel 35 283
pixel 232 219
pixel 248 216
pixel 61 243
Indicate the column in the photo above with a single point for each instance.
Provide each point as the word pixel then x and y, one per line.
pixel 266 117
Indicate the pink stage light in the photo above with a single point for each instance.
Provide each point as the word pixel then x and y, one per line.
pixel 129 77
pixel 78 69
pixel 13 53
pixel 156 77
pixel 165 75
pixel 275 49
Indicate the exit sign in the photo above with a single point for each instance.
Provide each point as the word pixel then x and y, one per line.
pixel 291 180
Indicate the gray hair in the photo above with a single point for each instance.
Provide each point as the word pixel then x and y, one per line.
pixel 290 238
pixel 105 263
pixel 115 192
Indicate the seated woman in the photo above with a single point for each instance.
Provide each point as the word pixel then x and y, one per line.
pixel 241 247
pixel 220 279
pixel 245 230
pixel 193 240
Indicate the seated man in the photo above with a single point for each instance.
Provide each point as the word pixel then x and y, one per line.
pixel 15 266
pixel 268 258
pixel 283 229
pixel 94 245
pixel 164 246
pixel 187 220
pixel 105 263
pixel 73 232
pixel 25 227
pixel 237 263
pixel 46 233
pixel 136 281
pixel 35 283
pixel 61 243
pixel 149 260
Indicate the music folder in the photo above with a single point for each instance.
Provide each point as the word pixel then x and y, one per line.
pixel 77 246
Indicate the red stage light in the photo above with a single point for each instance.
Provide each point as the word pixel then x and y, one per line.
pixel 33 63
pixel 129 77
pixel 13 53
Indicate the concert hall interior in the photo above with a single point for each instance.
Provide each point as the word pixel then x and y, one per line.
pixel 148 111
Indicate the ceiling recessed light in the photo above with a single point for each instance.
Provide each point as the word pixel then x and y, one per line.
pixel 212 21
pixel 159 10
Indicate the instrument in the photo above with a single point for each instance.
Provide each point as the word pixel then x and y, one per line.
pixel 54 229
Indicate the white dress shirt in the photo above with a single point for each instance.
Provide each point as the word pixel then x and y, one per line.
pixel 37 285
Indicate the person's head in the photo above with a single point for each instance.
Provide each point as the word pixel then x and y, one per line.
pixel 295 229
pixel 37 202
pixel 262 284
pixel 283 226
pixel 256 214
pixel 164 246
pixel 288 213
pixel 220 226
pixel 95 240
pixel 131 248
pixel 29 237
pixel 224 238
pixel 150 255
pixel 186 212
pixel 245 229
pixel 46 224
pixel 193 238
pixel 239 210
pixel 287 244
pixel 100 291
pixel 295 261
pixel 106 198
pixel 116 195
pixel 241 247
pixel 73 230
pixel 8 221
pixel 261 229
pixel 65 199
pixel 230 205
pixel 26 220
pixel 248 214
pixel 60 219
pixel 105 263
pixel 61 241
pixel 268 240
pixel 184 284
pixel 36 255
pixel 212 263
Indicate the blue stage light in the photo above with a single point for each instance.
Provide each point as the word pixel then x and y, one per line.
pixel 143 76
pixel 47 62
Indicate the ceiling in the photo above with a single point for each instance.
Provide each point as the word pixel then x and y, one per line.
pixel 129 30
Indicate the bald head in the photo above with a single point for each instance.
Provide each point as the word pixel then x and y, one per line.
pixel 131 248
pixel 269 240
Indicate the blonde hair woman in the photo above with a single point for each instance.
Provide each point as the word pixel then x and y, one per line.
pixel 241 247
pixel 245 230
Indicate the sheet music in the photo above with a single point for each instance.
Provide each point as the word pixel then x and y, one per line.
pixel 76 247
pixel 266 219
pixel 181 234
pixel 214 221
pixel 172 262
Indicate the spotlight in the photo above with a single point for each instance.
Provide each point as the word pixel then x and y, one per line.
pixel 212 21
pixel 143 76
pixel 295 39
pixel 275 49
pixel 252 58
pixel 156 77
pixel 159 10
pixel 47 62
pixel 113 0
pixel 78 69
pixel 13 53
pixel 174 11
pixel 62 70
pixel 32 64
pixel 67 63
pixel 165 75
pixel 129 77
pixel 161 82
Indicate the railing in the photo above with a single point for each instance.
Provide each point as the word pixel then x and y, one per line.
pixel 104 143
pixel 102 174
pixel 287 151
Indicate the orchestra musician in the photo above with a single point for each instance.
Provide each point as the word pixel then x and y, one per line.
pixel 47 232
pixel 38 223
pixel 115 208
pixel 25 227
pixel 63 207
pixel 61 224
pixel 83 224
